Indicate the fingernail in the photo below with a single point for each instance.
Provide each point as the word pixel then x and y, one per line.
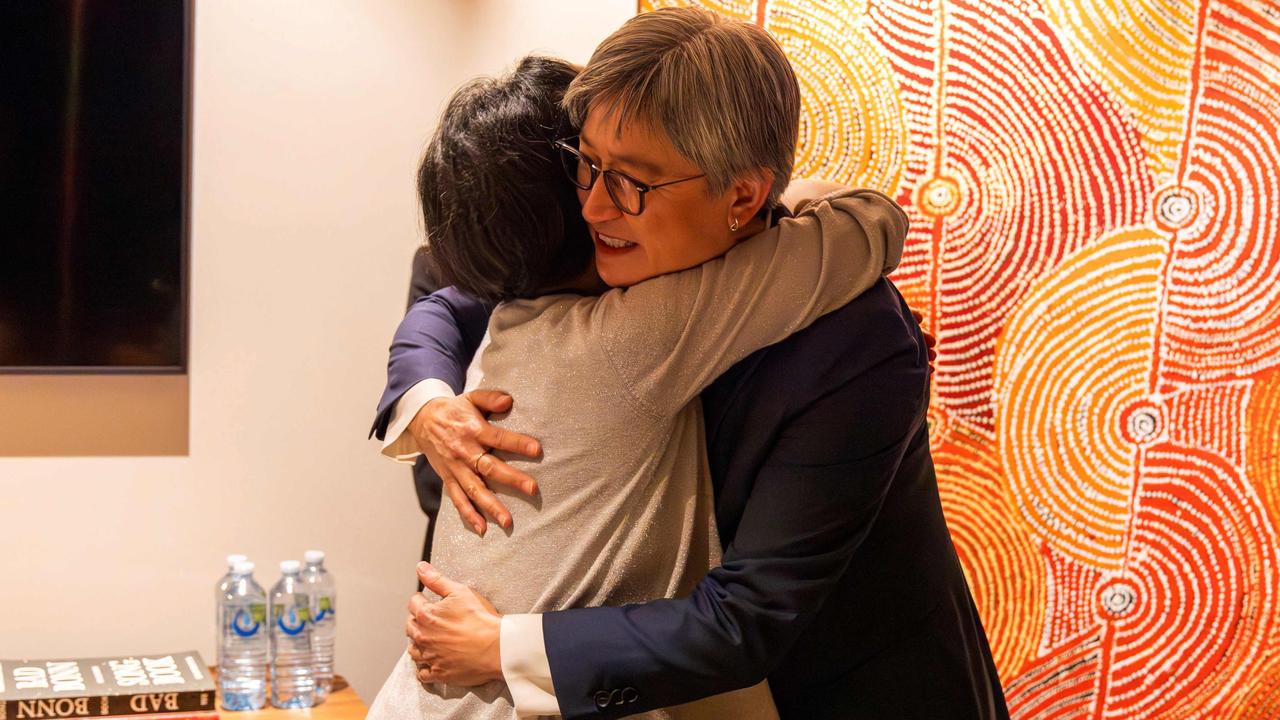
pixel 531 449
pixel 506 522
pixel 423 566
pixel 530 488
pixel 479 529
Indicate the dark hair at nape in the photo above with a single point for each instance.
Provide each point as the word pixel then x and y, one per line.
pixel 503 221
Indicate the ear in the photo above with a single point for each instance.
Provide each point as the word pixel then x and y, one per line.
pixel 747 195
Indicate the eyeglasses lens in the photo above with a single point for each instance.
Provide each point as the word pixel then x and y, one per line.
pixel 576 168
pixel 624 192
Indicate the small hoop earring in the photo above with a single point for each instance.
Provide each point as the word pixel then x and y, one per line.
pixel 734 226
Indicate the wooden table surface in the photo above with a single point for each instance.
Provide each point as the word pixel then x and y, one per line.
pixel 342 704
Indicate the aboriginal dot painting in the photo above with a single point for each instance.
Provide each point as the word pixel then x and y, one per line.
pixel 1094 189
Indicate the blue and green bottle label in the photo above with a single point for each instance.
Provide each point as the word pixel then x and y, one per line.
pixel 324 608
pixel 293 620
pixel 246 622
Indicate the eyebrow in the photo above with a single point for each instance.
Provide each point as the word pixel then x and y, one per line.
pixel 634 162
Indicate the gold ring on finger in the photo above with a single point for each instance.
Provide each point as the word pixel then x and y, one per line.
pixel 475 464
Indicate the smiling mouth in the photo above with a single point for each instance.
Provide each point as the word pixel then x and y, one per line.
pixel 614 243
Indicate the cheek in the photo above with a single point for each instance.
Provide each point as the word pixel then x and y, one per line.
pixel 691 242
pixel 661 239
pixel 677 237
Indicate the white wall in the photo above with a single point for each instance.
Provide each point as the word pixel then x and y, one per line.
pixel 506 30
pixel 309 118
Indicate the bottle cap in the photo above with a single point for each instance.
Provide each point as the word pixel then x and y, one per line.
pixel 313 557
pixel 233 559
pixel 244 567
pixel 290 567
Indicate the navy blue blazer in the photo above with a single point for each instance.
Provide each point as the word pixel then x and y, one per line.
pixel 839 581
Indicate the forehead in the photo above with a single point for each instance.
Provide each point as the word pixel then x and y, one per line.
pixel 607 133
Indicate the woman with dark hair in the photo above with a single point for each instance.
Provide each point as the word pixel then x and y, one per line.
pixel 502 221
pixel 610 382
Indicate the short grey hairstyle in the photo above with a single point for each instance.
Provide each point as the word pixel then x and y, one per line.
pixel 722 91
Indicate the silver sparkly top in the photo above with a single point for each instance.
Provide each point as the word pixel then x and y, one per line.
pixel 610 387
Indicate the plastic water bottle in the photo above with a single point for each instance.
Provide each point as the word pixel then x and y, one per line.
pixel 324 603
pixel 223 583
pixel 242 639
pixel 292 681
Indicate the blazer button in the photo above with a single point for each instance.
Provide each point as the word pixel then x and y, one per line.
pixel 602 699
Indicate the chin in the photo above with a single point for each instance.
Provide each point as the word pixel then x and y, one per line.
pixel 615 277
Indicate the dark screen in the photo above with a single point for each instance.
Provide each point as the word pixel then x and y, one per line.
pixel 92 181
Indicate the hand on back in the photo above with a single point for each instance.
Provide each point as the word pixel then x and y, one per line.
pixel 457 439
pixel 930 342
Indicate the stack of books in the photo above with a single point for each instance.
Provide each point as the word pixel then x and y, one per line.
pixel 156 687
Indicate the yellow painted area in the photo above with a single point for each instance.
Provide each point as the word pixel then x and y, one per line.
pixel 1071 359
pixel 1142 52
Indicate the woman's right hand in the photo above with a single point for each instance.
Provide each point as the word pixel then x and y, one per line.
pixel 456 438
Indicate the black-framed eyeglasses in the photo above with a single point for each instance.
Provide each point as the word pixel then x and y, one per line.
pixel 626 192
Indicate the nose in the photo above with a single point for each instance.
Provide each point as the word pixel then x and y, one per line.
pixel 599 207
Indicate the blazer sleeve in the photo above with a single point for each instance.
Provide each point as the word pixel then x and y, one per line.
pixel 814 499
pixel 436 339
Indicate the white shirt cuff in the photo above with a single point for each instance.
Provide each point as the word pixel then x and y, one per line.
pixel 400 445
pixel 525 666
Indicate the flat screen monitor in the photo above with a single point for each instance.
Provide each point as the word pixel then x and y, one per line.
pixel 94 154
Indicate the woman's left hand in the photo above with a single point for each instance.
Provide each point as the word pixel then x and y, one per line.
pixel 456 639
pixel 457 439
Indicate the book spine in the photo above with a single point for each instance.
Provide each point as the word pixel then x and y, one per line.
pixel 151 703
